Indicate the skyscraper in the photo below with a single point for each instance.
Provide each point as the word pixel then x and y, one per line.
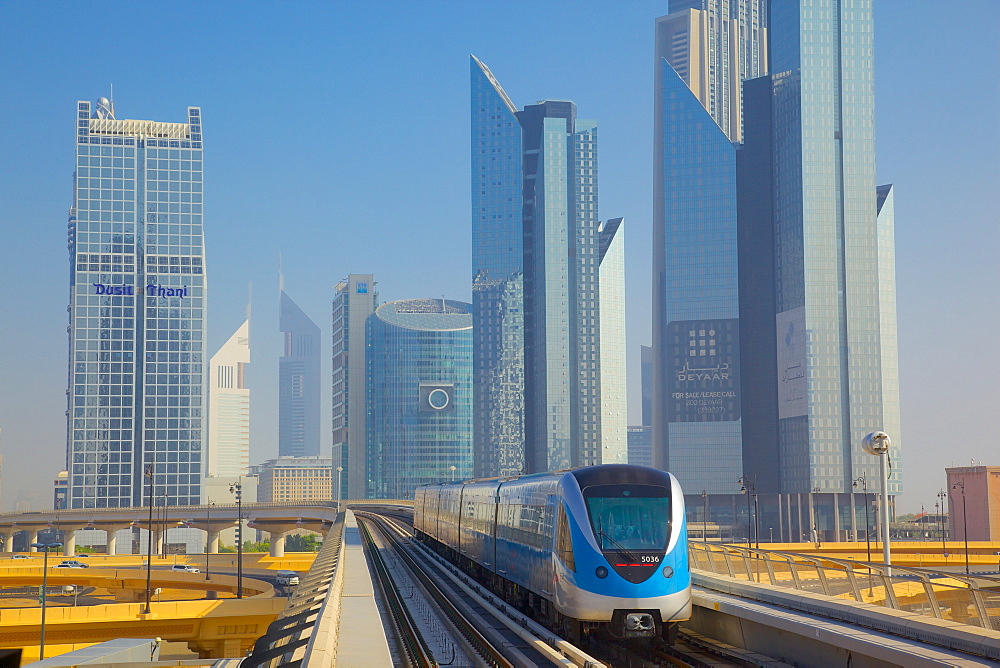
pixel 614 405
pixel 497 278
pixel 535 283
pixel 805 328
pixel 298 383
pixel 419 389
pixel 136 310
pixel 355 300
pixel 714 45
pixel 229 407
pixel 703 49
pixel 828 282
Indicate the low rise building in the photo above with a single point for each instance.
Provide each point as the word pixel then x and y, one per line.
pixel 974 502
pixel 294 479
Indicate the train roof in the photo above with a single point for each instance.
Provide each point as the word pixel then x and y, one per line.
pixel 601 474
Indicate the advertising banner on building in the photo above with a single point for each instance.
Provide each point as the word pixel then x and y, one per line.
pixel 792 381
pixel 703 370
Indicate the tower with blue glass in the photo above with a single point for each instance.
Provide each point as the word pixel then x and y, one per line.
pixel 818 261
pixel 137 310
pixel 298 383
pixel 704 49
pixel 775 321
pixel 535 256
pixel 418 392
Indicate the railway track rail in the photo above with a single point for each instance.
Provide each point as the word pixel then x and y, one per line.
pixel 496 637
pixel 431 571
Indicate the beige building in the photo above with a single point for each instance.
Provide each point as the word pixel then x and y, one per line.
pixel 229 407
pixel 294 479
pixel 714 45
pixel 974 502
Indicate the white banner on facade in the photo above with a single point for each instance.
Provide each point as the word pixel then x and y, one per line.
pixel 792 377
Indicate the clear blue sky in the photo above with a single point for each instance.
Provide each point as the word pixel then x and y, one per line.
pixel 337 134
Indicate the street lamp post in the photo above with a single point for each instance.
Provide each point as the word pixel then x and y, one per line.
pixel 237 489
pixel 149 541
pixel 944 548
pixel 965 522
pixel 163 539
pixel 208 537
pixel 452 468
pixel 878 444
pixel 704 524
pixel 750 489
pixel 864 490
pixel 45 588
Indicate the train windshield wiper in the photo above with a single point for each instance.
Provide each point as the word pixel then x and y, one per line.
pixel 615 544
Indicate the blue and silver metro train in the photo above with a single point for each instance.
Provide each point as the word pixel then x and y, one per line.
pixel 594 550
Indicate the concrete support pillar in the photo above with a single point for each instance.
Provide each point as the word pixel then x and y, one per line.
pixel 159 543
pixel 277 543
pixel 213 542
pixel 836 516
pixel 803 536
pixel 781 522
pixel 8 541
pixel 69 542
pixel 32 538
pixel 112 538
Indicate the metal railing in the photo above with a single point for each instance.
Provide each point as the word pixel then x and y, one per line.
pixel 285 642
pixel 936 594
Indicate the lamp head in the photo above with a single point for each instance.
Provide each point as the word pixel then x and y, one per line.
pixel 876 443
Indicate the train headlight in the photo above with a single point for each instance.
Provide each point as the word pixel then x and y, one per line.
pixel 668 572
pixel 601 572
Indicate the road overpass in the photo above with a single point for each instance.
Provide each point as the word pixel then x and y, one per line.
pixel 276 519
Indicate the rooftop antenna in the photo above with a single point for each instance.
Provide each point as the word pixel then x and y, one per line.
pixel 112 100
pixel 249 305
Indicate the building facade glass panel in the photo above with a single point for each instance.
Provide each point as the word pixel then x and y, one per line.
pixel 419 395
pixel 137 310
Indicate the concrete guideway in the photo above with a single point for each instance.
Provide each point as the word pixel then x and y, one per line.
pixel 361 638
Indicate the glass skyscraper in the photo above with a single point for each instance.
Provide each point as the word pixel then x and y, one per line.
pixel 808 318
pixel 136 310
pixel 833 269
pixel 419 395
pixel 298 383
pixel 704 48
pixel 535 256
pixel 497 278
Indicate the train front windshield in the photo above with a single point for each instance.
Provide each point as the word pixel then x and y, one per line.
pixel 629 517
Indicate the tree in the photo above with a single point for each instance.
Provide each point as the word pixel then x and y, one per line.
pixel 297 543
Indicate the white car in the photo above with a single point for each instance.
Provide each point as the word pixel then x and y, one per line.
pixel 184 568
pixel 71 564
pixel 287 578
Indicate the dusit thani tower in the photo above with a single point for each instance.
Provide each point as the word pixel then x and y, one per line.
pixel 137 366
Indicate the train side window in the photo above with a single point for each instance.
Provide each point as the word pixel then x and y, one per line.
pixel 564 540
